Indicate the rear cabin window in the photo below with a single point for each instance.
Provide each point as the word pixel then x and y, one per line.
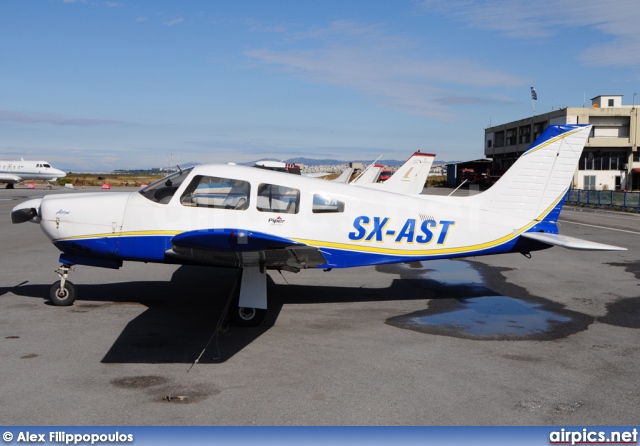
pixel 324 204
pixel 281 199
pixel 216 192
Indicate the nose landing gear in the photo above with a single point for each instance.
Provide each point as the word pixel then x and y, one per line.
pixel 62 293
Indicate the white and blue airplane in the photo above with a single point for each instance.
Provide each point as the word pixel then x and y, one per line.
pixel 12 172
pixel 256 220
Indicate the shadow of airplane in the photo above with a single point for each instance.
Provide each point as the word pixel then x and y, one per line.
pixel 182 313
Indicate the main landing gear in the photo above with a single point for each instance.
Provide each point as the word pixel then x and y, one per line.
pixel 249 305
pixel 245 316
pixel 62 293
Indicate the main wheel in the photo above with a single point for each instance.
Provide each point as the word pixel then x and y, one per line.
pixel 62 297
pixel 246 317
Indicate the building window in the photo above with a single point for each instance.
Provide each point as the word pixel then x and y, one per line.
pixel 489 142
pixel 610 102
pixel 602 160
pixel 589 182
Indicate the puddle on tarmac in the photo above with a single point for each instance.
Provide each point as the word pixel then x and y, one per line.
pixel 494 316
pixel 464 307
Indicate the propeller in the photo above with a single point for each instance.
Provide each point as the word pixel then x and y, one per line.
pixel 24 214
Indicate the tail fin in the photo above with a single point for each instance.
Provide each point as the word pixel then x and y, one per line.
pixel 370 175
pixel 344 176
pixel 411 176
pixel 540 178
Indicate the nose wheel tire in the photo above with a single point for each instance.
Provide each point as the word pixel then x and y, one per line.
pixel 62 297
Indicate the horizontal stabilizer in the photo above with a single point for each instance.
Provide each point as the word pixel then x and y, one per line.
pixel 570 242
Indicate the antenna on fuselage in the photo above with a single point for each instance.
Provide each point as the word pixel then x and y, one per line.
pixel 457 188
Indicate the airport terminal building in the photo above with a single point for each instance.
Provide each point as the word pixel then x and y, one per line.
pixel 610 160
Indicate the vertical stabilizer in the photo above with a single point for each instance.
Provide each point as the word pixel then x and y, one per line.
pixel 344 176
pixel 370 175
pixel 540 178
pixel 410 178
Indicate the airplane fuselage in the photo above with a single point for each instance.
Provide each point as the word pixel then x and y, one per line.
pixel 348 225
pixel 15 171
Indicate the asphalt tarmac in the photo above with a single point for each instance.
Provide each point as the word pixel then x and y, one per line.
pixel 499 340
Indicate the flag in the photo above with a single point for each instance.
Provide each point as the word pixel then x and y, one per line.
pixel 534 95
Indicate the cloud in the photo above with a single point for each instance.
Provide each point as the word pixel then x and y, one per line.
pixel 30 118
pixel 174 22
pixel 364 58
pixel 522 19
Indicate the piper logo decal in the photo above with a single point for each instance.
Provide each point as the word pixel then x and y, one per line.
pixel 379 228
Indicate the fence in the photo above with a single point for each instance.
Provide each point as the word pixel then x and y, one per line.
pixel 611 198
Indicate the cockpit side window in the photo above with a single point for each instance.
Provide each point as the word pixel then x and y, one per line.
pixel 274 198
pixel 162 190
pixel 216 192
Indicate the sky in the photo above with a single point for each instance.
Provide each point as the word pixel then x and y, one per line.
pixel 101 85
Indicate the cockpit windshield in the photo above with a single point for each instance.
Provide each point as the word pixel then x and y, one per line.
pixel 162 190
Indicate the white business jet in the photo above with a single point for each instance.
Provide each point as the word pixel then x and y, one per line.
pixel 12 172
pixel 257 220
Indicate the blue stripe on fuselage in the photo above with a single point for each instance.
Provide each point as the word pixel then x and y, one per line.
pixel 151 248
pixel 143 248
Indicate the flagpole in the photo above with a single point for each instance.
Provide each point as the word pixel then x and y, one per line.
pixel 534 96
pixel 533 106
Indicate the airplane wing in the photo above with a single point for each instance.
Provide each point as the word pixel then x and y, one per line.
pixel 9 178
pixel 570 242
pixel 241 248
pixel 316 174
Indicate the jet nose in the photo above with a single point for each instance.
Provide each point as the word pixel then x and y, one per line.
pixel 60 173
pixel 27 211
